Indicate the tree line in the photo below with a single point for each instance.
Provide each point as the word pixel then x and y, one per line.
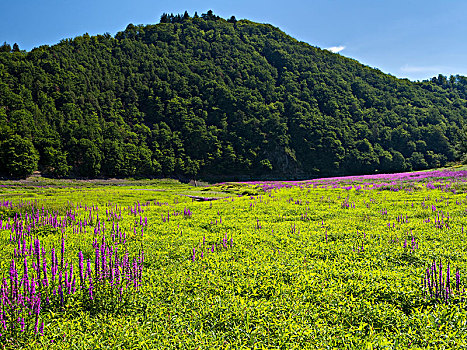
pixel 204 97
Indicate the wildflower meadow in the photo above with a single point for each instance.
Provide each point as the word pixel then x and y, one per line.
pixel 376 261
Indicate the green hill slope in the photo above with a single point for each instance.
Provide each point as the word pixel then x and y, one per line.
pixel 210 98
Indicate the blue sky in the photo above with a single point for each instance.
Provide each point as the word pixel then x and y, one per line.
pixel 412 39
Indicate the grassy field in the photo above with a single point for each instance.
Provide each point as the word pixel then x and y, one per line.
pixel 324 264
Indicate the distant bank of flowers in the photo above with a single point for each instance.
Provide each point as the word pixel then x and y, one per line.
pixel 436 179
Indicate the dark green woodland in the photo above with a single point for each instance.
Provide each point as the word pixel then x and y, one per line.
pixel 208 98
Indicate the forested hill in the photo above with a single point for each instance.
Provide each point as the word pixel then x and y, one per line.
pixel 204 97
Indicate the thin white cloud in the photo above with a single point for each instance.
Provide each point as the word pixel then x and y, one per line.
pixel 336 49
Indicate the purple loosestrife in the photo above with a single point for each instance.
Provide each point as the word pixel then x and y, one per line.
pixel 37 310
pixel 135 273
pixel 70 279
pixel 88 270
pixel 97 263
pixel 112 276
pixel 437 287
pixel 440 286
pixel 60 289
pixel 37 253
pixel 103 261
pixel 32 289
pixel 81 268
pixel 54 264
pixel 118 276
pixel 25 276
pixel 63 252
pixel 91 296
pixel 13 279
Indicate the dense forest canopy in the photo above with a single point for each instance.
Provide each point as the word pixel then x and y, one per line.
pixel 204 97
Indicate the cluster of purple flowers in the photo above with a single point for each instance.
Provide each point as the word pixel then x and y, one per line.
pixel 210 248
pixel 187 212
pixel 138 208
pixel 401 219
pixel 48 283
pixel 412 245
pixel 440 287
pixel 442 222
pixel 346 204
pixel 304 216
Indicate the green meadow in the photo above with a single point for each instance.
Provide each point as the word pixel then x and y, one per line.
pixel 322 265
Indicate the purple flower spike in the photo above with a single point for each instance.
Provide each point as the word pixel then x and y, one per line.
pixel 90 292
pixel 35 326
pixel 63 252
pixel 37 247
pixel 25 275
pixel 81 268
pixel 88 270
